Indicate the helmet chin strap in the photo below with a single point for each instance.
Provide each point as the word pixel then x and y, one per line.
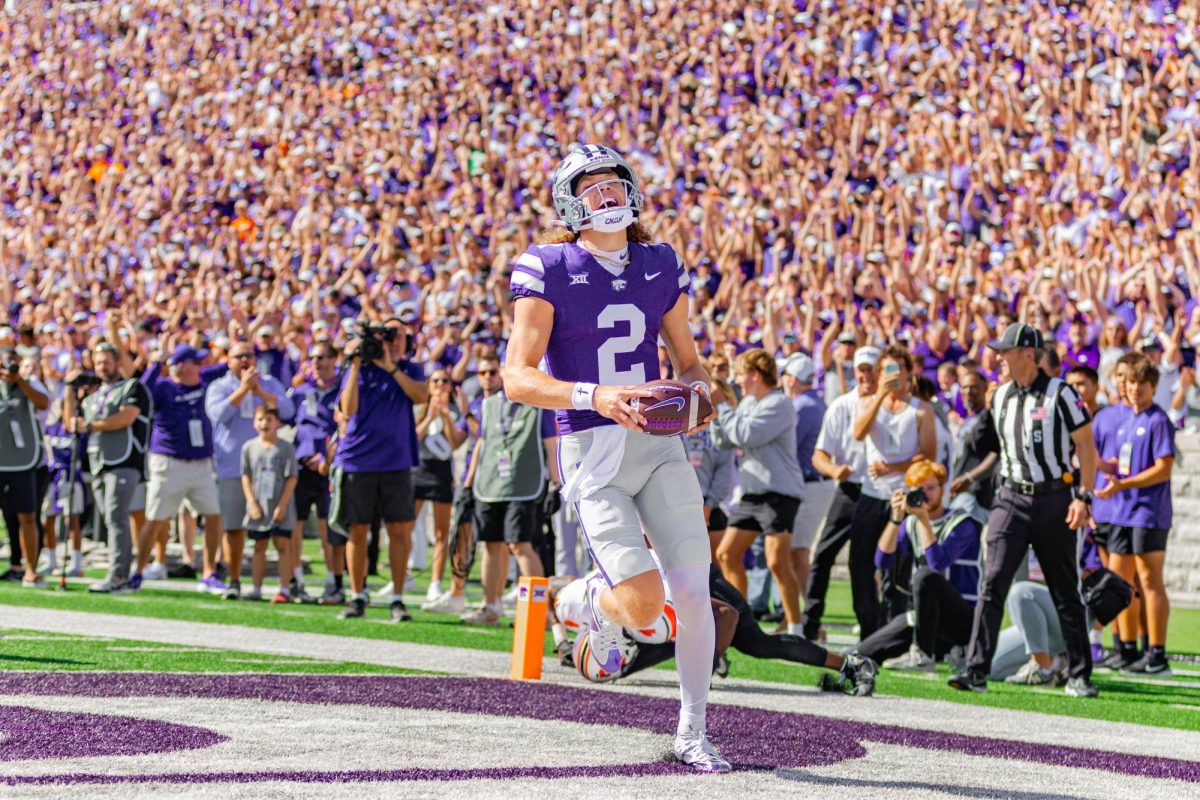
pixel 611 220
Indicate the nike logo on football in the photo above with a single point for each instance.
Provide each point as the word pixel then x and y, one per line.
pixel 652 277
pixel 674 401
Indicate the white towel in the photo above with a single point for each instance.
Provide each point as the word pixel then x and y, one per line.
pixel 599 465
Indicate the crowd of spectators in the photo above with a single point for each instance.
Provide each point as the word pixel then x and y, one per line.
pixel 836 176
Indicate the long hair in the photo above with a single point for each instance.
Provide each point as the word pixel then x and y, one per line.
pixel 559 234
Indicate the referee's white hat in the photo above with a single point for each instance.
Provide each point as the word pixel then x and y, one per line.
pixel 1016 335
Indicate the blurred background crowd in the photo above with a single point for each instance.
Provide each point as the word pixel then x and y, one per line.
pixel 835 176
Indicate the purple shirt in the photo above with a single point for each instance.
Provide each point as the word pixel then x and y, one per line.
pixel 605 327
pixel 1104 433
pixel 930 360
pixel 382 435
pixel 1146 437
pixel 314 419
pixel 180 428
pixel 1087 356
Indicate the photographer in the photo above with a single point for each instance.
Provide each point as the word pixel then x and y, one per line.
pixel 20 455
pixel 116 420
pixel 376 454
pixel 942 545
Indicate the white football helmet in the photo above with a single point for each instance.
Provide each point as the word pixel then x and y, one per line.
pixel 583 160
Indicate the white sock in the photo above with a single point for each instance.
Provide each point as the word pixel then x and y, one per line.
pixel 695 642
pixel 560 633
pixel 76 559
pixel 298 572
pixel 796 629
pixel 51 558
pixel 396 597
pixel 1095 636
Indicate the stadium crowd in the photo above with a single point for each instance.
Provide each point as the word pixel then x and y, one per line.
pixel 221 195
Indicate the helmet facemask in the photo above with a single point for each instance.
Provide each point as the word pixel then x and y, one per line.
pixel 606 205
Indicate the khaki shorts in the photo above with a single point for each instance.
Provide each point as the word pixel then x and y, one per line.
pixel 233 503
pixel 815 499
pixel 172 481
pixel 655 495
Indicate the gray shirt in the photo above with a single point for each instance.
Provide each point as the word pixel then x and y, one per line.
pixel 269 467
pixel 765 430
pixel 714 467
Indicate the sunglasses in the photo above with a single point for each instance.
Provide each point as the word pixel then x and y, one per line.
pixel 319 357
pixel 439 380
pixel 242 356
pixel 486 372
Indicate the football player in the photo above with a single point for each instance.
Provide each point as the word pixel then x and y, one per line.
pixel 592 300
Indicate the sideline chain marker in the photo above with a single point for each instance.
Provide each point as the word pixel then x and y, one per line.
pixel 529 633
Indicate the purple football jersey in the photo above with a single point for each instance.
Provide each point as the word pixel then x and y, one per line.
pixel 605 326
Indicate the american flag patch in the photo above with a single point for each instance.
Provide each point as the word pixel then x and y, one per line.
pixel 1040 413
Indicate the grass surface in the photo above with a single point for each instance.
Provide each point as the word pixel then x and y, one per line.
pixel 1174 705
pixel 37 650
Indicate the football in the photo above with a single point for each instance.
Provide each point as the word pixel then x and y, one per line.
pixel 587 666
pixel 660 632
pixel 670 407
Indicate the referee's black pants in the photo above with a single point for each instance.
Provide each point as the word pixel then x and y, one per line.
pixel 834 537
pixel 1017 522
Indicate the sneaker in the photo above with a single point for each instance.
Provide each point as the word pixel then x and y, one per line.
pixel 956 659
pixel 968 681
pixel 565 656
pixel 357 607
pixel 1033 674
pixel 605 636
pixel 75 573
pixel 859 673
pixel 386 591
pixel 121 587
pixel 135 582
pixel 333 597
pixel 234 591
pixel 155 572
pixel 105 587
pixel 299 595
pixel 912 661
pixel 37 583
pixel 446 604
pixel 1148 665
pixel 181 571
pixel 212 585
pixel 695 750
pixel 721 668
pixel 510 598
pixel 281 596
pixel 1081 687
pixel 1117 660
pixel 484 615
pixel 255 594
pixel 433 592
pixel 1098 653
pixel 400 612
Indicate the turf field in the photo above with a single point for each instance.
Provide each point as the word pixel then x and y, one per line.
pixel 168 691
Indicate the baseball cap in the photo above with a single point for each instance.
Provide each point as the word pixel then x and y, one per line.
pixel 800 366
pixel 265 330
pixel 866 355
pixel 1016 335
pixel 1151 343
pixel 185 352
pixel 847 337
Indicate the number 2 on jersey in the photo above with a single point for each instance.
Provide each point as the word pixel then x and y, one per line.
pixel 620 345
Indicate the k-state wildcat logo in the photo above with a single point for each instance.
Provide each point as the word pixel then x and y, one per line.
pixel 619 284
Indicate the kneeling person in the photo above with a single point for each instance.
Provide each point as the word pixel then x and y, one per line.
pixel 268 481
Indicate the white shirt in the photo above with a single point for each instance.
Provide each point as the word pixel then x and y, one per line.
pixel 837 435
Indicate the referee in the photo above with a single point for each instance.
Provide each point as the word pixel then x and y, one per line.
pixel 1041 423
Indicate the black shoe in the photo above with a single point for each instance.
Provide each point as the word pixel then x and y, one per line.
pixel 565 657
pixel 969 682
pixel 1119 659
pixel 1149 665
pixel 13 575
pixel 1081 687
pixel 181 571
pixel 400 612
pixel 357 607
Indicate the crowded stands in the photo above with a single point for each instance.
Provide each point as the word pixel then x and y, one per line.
pixel 222 195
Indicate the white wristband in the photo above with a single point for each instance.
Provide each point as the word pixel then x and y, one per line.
pixel 700 386
pixel 581 397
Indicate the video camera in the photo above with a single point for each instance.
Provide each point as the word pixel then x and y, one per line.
pixel 373 337
pixel 85 381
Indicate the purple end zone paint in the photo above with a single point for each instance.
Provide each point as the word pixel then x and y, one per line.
pixel 753 739
pixel 32 733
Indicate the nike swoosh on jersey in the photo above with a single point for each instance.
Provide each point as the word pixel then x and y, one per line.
pixel 674 401
pixel 652 277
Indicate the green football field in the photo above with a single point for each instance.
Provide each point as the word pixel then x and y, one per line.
pixel 1172 702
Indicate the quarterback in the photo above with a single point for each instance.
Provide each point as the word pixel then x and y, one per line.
pixel 593 300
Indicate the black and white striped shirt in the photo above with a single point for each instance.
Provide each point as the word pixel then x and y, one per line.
pixel 1035 426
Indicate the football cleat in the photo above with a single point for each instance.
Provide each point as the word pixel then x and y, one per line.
pixel 604 636
pixel 695 750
